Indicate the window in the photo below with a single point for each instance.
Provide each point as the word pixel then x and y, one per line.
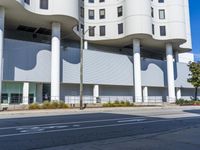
pixel 44 4
pixel 102 13
pixel 91 31
pixel 102 30
pixel 4 98
pixel 153 29
pixel 120 28
pixel 101 1
pixel 31 98
pixel 82 12
pixel 16 98
pixel 91 14
pixel 91 1
pixel 82 28
pixel 161 14
pixel 161 1
pixel 152 12
pixel 120 11
pixel 27 2
pixel 162 31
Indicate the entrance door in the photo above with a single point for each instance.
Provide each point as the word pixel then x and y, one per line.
pixel 46 92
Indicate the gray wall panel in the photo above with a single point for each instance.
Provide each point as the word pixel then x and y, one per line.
pixel 28 61
pixel 116 91
pixel 73 90
pixel 153 72
pixel 182 72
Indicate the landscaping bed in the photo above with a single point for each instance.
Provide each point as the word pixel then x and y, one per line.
pixel 183 102
pixel 49 105
pixel 118 104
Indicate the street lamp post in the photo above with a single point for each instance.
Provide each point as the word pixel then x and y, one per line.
pixel 81 71
pixel 82 35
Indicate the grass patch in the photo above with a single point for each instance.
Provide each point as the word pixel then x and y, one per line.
pixel 118 104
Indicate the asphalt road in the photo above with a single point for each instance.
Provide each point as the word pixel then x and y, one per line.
pixel 51 131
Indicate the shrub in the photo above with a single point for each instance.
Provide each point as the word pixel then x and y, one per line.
pixel 34 106
pixel 46 105
pixel 54 105
pixel 49 105
pixel 197 102
pixel 118 104
pixel 127 103
pixel 180 102
pixel 62 105
pixel 183 102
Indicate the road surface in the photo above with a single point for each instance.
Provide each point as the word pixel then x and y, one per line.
pixel 78 130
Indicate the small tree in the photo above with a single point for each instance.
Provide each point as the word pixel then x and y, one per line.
pixel 194 76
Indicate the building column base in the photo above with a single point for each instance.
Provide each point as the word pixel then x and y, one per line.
pixel 170 74
pixel 55 61
pixel 26 93
pixel 137 70
pixel 96 93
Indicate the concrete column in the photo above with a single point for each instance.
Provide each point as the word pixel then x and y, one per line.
pixel 170 74
pixel 176 56
pixel 2 20
pixel 55 62
pixel 145 94
pixel 95 93
pixel 137 70
pixel 85 44
pixel 39 96
pixel 178 93
pixel 26 93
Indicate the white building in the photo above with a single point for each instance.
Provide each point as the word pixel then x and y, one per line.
pixel 130 48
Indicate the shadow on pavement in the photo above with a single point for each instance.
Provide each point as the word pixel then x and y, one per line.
pixel 197 111
pixel 126 125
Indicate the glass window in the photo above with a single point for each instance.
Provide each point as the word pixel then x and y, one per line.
pixel 91 1
pixel 31 98
pixel 120 28
pixel 91 14
pixel 44 4
pixel 16 98
pixel 102 13
pixel 161 14
pixel 82 12
pixel 162 31
pixel 161 1
pixel 4 98
pixel 102 30
pixel 27 2
pixel 91 31
pixel 120 11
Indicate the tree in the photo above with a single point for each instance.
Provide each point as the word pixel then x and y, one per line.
pixel 194 76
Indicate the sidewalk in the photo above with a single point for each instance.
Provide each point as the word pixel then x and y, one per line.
pixel 125 110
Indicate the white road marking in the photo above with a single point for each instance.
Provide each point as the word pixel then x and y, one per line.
pixel 132 120
pixel 94 127
pixel 76 125
pixel 68 123
pixel 36 129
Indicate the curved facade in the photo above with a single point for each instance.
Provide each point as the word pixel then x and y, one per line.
pixel 140 19
pixel 130 49
pixel 41 14
pixel 61 7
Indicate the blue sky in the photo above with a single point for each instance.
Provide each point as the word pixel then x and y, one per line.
pixel 195 24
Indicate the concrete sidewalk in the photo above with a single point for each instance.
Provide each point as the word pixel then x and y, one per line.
pixel 183 139
pixel 124 110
